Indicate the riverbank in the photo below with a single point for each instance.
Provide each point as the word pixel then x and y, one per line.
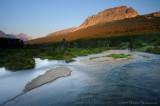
pixel 47 77
pixel 22 59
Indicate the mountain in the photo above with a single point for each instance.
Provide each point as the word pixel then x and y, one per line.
pixel 65 31
pixel 131 24
pixel 2 34
pixel 21 36
pixel 109 15
pixel 12 36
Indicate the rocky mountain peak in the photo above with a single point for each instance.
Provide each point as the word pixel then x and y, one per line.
pixel 109 15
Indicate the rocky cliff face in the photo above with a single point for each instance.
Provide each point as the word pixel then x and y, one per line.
pixel 109 15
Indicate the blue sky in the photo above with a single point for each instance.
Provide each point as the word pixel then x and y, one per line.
pixel 37 18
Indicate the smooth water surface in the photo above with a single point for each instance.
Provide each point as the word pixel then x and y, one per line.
pixel 135 81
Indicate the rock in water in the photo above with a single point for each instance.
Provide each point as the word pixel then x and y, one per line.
pixel 49 76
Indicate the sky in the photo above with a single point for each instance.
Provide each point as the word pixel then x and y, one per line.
pixel 37 18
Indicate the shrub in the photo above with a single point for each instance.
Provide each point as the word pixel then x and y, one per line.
pixel 138 44
pixel 19 63
pixel 149 49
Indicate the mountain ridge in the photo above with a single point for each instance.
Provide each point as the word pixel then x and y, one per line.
pixel 21 36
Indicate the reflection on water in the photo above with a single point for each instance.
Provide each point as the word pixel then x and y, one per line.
pixel 134 81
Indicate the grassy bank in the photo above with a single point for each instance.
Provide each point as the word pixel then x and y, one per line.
pixel 21 59
pixel 69 53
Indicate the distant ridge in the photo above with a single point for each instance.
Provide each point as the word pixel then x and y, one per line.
pixel 21 36
pixel 65 31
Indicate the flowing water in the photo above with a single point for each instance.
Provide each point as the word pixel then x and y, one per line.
pixel 135 81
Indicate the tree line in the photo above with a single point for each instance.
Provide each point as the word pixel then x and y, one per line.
pixel 8 43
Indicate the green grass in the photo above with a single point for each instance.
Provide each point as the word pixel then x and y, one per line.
pixel 116 56
pixel 70 52
pixel 20 64
pixel 93 58
pixel 155 50
pixel 149 49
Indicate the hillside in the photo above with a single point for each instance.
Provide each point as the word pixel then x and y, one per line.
pixel 139 24
pixel 65 31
